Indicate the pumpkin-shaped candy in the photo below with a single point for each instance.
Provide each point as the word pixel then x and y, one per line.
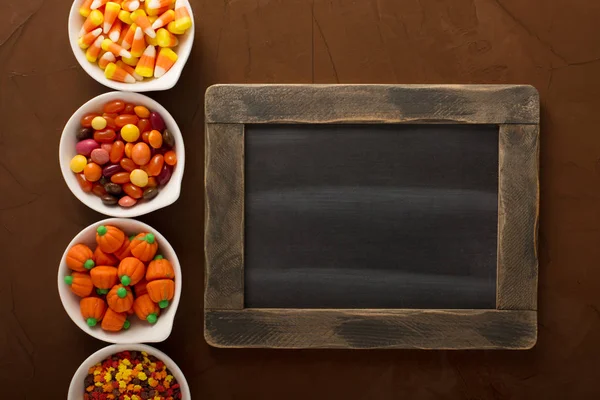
pixel 103 258
pixel 144 246
pixel 80 258
pixel 160 268
pixel 114 321
pixel 80 283
pixel 120 298
pixel 92 310
pixel 140 288
pixel 146 309
pixel 124 250
pixel 109 238
pixel 131 271
pixel 161 291
pixel 104 278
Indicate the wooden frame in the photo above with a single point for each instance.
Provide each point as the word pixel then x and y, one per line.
pixel 512 325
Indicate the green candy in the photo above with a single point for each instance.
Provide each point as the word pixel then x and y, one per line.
pixel 122 292
pixel 163 303
pixel 101 230
pixel 152 318
pixel 126 324
pixel 91 322
pixel 125 280
pixel 69 280
pixel 89 264
pixel 101 291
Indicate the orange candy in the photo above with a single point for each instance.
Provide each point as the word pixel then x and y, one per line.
pixel 116 152
pixel 83 183
pixel 127 164
pixel 171 157
pixel 142 112
pixel 151 182
pixel 141 154
pixel 155 139
pixel 144 125
pixel 92 172
pixel 133 191
pixel 120 177
pixel 125 119
pixel 128 149
pixel 155 165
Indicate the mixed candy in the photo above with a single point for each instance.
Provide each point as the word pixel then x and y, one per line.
pixel 131 376
pixel 121 276
pixel 124 154
pixel 132 40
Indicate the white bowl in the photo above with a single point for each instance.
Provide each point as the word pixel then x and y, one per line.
pixel 165 82
pixel 139 331
pixel 167 195
pixel 76 388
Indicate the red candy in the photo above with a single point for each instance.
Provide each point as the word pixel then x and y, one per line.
pixel 125 119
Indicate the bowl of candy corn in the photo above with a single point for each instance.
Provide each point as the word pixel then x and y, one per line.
pixel 120 281
pixel 130 371
pixel 122 154
pixel 132 45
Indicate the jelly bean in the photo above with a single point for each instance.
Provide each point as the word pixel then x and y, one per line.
pixel 146 136
pixel 152 182
pixel 150 193
pixel 78 163
pixel 132 190
pixel 125 119
pixel 113 188
pixel 155 165
pixel 107 147
pixel 171 157
pixel 168 138
pixel 84 133
pixel 100 156
pixel 110 115
pixel 157 122
pixel 98 190
pixel 127 164
pixel 120 177
pixel 117 151
pixel 86 146
pixel 104 180
pixel 98 123
pixel 165 175
pixel 140 154
pixel 110 120
pixel 130 133
pixel 155 139
pixel 92 172
pixel 129 109
pixel 139 178
pixel 141 111
pixel 127 201
pixel 144 125
pixel 115 106
pixel 128 149
pixel 112 169
pixel 109 200
pixel 105 136
pixel 83 183
pixel 86 120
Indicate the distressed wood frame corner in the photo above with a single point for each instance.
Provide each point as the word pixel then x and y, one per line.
pixel 511 325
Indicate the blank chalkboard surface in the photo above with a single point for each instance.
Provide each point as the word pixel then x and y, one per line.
pixel 371 216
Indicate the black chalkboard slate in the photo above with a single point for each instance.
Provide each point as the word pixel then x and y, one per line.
pixel 371 216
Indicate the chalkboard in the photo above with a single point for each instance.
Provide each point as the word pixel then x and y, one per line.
pixel 371 216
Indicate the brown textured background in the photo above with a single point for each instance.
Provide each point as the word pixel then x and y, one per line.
pixel 551 44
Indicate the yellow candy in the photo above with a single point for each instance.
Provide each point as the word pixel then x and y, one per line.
pixel 166 38
pixel 130 133
pixel 139 178
pixel 173 29
pixel 151 41
pixel 78 163
pixel 131 61
pixel 152 18
pixel 99 123
pixel 125 16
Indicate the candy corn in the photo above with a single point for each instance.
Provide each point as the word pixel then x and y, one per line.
pixel 96 4
pixel 139 44
pixel 132 40
pixel 115 73
pixel 85 8
pixel 130 70
pixel 145 66
pixel 183 21
pixel 166 38
pixel 165 60
pixel 94 20
pixel 114 33
pixel 116 49
pixel 129 36
pixel 106 59
pixel 111 12
pixel 86 40
pixel 141 19
pixel 94 50
pixel 130 5
pixel 164 19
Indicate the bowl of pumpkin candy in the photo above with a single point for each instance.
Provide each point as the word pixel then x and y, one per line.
pixel 119 280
